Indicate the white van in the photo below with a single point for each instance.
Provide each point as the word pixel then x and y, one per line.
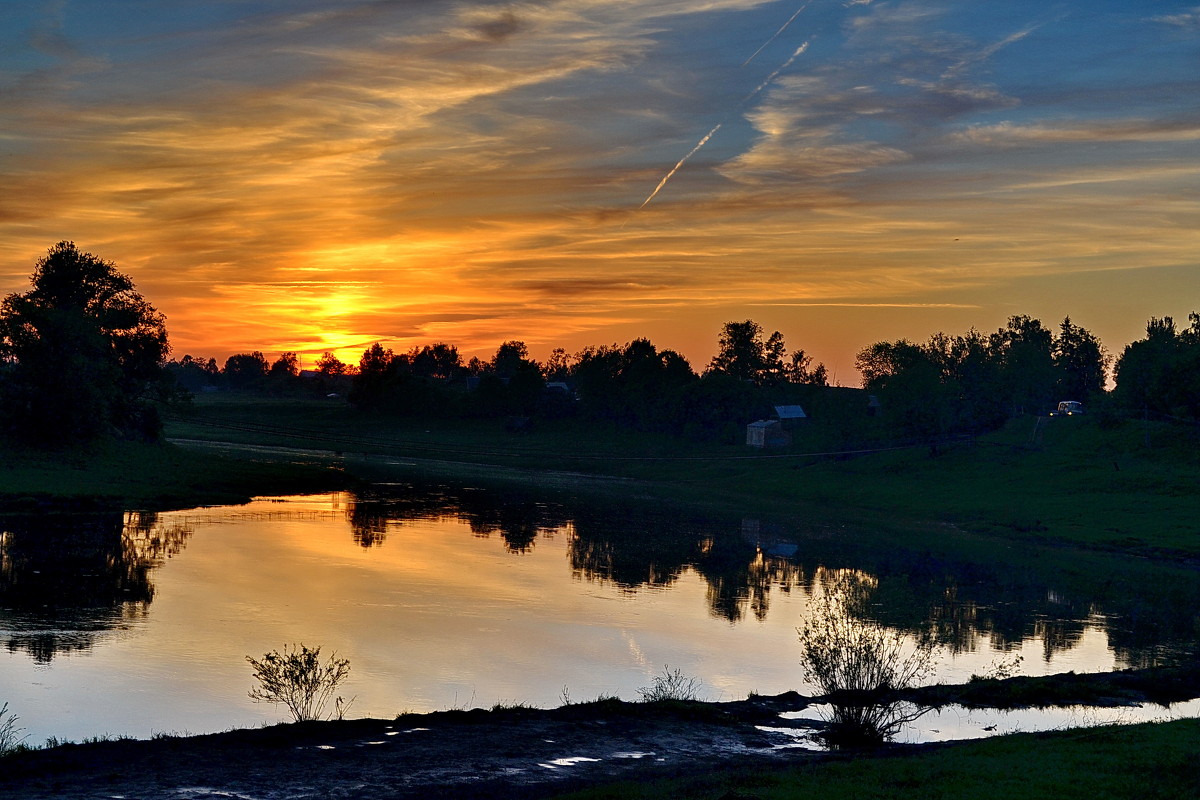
pixel 1068 408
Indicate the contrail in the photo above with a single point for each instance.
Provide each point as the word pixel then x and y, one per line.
pixel 709 135
pixel 675 169
pixel 775 74
pixel 775 36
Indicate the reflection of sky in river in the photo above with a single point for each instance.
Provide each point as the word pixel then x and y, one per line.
pixel 953 723
pixel 433 617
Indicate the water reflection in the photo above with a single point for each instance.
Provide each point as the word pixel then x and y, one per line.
pixel 632 547
pixel 64 578
pixel 987 598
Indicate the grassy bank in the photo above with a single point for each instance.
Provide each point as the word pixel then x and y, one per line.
pixel 1139 761
pixel 1069 480
pixel 120 475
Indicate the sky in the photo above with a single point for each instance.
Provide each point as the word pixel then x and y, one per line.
pixel 312 175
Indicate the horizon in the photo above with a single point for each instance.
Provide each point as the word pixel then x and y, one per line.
pixel 312 175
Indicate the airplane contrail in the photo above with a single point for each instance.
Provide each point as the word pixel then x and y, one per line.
pixel 675 168
pixel 717 127
pixel 775 35
pixel 775 74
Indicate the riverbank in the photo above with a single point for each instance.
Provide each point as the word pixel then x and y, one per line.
pixel 1122 488
pixel 1068 481
pixel 609 748
pixel 118 476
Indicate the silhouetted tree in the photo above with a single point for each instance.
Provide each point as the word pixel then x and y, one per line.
pixel 438 360
pixel 509 358
pixel 916 392
pixel 743 354
pixel 559 366
pixel 245 370
pixel 635 385
pixel 286 366
pixel 741 351
pixel 330 365
pixel 1161 373
pixel 82 352
pixel 1025 351
pixel 194 374
pixel 1080 361
pixel 371 385
pixel 799 369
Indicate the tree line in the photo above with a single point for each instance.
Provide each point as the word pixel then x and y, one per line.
pixel 83 356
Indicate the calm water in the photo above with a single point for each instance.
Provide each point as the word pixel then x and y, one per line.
pixel 136 624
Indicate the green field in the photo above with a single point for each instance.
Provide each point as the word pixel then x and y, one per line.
pixel 1128 487
pixel 1139 761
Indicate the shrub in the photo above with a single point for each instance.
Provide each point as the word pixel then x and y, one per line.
pixel 859 662
pixel 842 651
pixel 671 686
pixel 297 679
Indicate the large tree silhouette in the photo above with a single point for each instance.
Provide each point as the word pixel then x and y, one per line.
pixel 81 351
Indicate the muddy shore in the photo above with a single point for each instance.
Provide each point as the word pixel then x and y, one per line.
pixel 514 752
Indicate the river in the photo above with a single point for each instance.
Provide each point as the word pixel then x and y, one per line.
pixel 446 597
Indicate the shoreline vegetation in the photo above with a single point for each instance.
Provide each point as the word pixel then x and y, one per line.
pixel 1143 760
pixel 1081 490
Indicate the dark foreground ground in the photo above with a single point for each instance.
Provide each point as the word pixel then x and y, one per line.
pixel 510 753
pixel 507 753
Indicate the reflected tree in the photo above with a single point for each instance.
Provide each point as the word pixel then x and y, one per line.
pixel 859 664
pixel 65 578
pixel 964 604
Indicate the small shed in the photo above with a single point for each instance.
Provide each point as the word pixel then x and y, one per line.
pixel 766 433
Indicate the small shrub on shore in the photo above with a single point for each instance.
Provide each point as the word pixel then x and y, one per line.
pixel 671 686
pixel 297 679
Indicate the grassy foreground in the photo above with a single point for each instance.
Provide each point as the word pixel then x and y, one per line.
pixel 1127 488
pixel 1138 761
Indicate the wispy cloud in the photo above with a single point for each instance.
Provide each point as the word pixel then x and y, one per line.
pixel 321 174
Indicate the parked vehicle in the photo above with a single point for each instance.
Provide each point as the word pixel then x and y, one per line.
pixel 1068 408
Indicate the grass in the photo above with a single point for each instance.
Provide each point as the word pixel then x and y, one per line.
pixel 1064 480
pixel 1140 761
pixel 151 476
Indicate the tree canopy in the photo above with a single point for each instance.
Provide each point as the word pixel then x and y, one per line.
pixel 81 351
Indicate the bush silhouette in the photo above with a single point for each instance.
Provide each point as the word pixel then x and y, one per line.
pixel 297 679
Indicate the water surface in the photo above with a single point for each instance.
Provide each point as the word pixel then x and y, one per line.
pixel 440 598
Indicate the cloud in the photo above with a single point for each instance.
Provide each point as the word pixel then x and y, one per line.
pixel 337 173
pixel 1008 134
pixel 1188 20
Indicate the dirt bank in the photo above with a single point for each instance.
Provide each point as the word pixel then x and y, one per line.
pixel 506 753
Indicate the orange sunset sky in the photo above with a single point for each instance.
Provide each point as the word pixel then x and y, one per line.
pixel 317 175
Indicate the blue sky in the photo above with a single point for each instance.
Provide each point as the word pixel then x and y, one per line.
pixel 311 175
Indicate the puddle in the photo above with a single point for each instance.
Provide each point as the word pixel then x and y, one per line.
pixel 566 762
pixel 955 723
